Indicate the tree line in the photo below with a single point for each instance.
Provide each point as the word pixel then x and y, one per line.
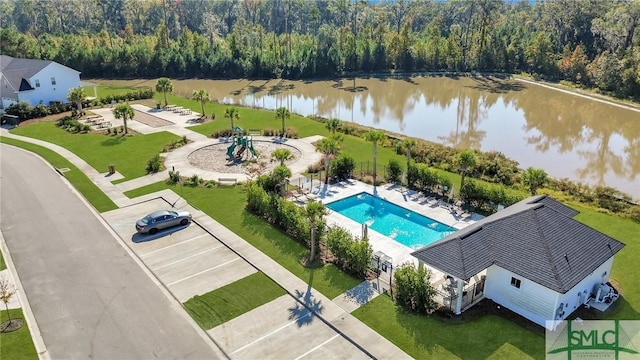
pixel 591 43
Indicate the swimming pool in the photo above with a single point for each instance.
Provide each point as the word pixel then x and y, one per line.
pixel 404 226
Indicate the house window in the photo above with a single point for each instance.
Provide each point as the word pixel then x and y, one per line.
pixel 37 83
pixel 515 282
pixel 53 81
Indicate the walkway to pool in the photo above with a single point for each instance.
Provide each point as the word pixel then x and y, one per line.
pixel 400 254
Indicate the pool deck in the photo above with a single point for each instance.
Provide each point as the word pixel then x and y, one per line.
pixel 400 254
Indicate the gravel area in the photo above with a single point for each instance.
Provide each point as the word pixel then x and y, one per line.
pixel 214 157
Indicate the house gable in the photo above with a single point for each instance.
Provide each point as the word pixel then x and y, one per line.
pixel 536 238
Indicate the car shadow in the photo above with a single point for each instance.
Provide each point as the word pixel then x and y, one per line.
pixel 139 238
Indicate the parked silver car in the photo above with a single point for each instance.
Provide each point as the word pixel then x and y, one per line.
pixel 162 219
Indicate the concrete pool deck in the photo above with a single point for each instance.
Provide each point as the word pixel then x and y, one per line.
pixel 400 254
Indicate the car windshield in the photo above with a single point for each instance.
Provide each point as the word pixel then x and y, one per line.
pixel 173 213
pixel 147 219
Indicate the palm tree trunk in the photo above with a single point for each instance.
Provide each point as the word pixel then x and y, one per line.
pixel 326 168
pixel 124 119
pixel 312 257
pixel 165 99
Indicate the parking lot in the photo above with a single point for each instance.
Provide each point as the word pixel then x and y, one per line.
pixel 188 261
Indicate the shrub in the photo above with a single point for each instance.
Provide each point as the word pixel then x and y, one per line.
pixel 72 125
pixel 353 255
pixel 195 180
pixel 414 290
pixel 633 212
pixel 394 171
pixel 154 164
pixel 174 177
pixel 270 132
pixel 316 168
pixel 342 166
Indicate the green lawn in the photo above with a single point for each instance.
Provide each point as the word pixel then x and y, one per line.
pixel 426 337
pixel 226 205
pixel 2 263
pixel 16 345
pixel 80 181
pixel 230 301
pixel 129 154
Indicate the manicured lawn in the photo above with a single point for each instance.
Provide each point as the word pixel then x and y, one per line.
pixel 129 154
pixel 16 345
pixel 226 205
pixel 2 264
pixel 425 337
pixel 230 301
pixel 80 181
pixel 625 270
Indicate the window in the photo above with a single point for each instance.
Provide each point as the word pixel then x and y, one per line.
pixel 515 282
pixel 37 83
pixel 53 81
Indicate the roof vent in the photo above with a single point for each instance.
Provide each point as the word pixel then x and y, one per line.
pixel 566 257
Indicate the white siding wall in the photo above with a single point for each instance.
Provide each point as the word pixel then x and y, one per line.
pixel 533 301
pixel 571 296
pixel 66 79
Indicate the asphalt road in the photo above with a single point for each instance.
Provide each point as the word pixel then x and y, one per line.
pixel 90 299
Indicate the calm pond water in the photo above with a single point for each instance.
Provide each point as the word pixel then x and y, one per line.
pixel 565 134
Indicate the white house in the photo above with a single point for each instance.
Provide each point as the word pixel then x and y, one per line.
pixel 35 81
pixel 537 260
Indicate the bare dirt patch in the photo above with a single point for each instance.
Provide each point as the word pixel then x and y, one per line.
pixel 214 157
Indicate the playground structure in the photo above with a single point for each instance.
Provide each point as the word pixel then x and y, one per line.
pixel 245 143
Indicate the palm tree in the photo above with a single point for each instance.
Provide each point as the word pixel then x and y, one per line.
pixel 465 161
pixel 233 114
pixel 314 211
pixel 281 155
pixel 124 111
pixel 164 86
pixel 333 125
pixel 409 145
pixel 76 95
pixel 283 114
pixel 374 136
pixel 279 175
pixel 202 96
pixel 328 146
pixel 534 179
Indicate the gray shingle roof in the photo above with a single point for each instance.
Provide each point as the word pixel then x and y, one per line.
pixel 537 238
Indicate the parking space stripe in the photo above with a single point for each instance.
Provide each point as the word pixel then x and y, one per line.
pixel 203 271
pixel 269 334
pixel 187 258
pixel 316 348
pixel 176 244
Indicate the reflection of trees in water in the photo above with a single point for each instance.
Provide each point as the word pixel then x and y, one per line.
pixel 552 119
pixel 567 122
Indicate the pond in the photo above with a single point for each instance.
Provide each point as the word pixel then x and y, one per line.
pixel 567 135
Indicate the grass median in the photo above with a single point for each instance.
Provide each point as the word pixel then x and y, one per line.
pixel 80 181
pixel 230 301
pixel 18 344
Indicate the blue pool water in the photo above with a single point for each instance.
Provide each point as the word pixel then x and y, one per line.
pixel 404 226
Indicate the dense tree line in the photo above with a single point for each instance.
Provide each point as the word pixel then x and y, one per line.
pixel 592 42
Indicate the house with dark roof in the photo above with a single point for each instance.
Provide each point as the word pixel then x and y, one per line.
pixel 35 81
pixel 534 257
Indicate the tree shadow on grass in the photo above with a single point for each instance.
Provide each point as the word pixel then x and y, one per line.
pixel 112 141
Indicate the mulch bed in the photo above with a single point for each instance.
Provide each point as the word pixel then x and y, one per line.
pixel 12 325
